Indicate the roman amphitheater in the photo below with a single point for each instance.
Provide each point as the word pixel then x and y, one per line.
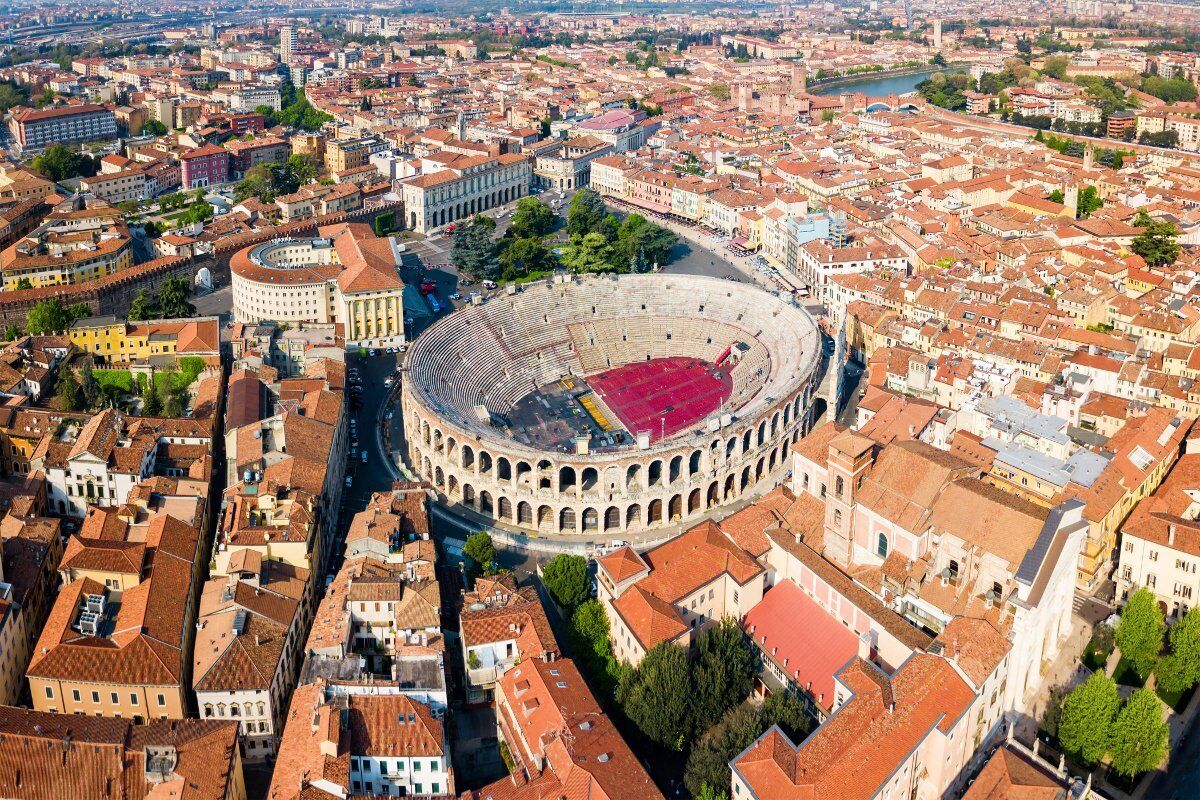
pixel 605 405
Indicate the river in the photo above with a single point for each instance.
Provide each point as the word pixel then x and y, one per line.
pixel 878 87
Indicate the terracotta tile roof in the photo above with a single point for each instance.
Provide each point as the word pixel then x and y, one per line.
pixel 860 747
pixel 1010 775
pixel 53 756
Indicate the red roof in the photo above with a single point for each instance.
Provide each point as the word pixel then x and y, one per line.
pixel 802 638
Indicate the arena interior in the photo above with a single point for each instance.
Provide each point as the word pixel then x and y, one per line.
pixel 609 404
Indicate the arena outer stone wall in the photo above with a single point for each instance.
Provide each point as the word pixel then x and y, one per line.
pixel 493 355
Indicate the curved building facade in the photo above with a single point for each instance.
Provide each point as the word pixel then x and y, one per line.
pixel 609 405
pixel 346 275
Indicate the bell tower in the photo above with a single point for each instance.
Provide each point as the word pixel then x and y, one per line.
pixel 850 458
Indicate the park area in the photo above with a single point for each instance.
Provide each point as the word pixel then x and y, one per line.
pixel 120 388
pixel 1136 682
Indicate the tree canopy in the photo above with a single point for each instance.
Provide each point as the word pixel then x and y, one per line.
pixel 58 163
pixel 1087 716
pixel 1140 631
pixel 531 218
pixel 1157 243
pixel 657 696
pixel 472 250
pixel 1139 735
pixel 51 316
pixel 481 551
pixel 566 578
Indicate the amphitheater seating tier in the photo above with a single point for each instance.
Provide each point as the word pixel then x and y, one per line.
pixel 497 353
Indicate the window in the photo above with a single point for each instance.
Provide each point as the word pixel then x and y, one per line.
pixel 115 699
pixel 75 695
pixel 133 699
pixel 953 570
pixel 1150 581
pixel 881 547
pixel 50 692
pixel 162 699
pixel 1154 555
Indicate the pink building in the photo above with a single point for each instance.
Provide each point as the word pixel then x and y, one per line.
pixel 205 166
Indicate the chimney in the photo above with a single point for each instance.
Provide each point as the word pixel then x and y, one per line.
pixel 1171 534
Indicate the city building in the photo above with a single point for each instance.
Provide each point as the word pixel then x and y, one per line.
pixel 205 166
pixel 347 276
pixel 79 240
pixel 464 187
pixel 36 129
pixel 64 755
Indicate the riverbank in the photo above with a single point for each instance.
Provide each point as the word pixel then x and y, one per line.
pixel 879 84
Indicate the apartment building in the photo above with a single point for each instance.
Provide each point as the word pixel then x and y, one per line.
pixel 118 640
pixel 205 166
pixel 499 625
pixel 61 755
pixel 1160 542
pixel 35 129
pixel 249 641
pixel 79 240
pixel 370 744
pixel 653 598
pixel 112 340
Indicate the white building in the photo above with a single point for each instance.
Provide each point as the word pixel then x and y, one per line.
pixel 346 276
pixel 466 186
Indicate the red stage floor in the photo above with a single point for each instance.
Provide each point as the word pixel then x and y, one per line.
pixel 663 396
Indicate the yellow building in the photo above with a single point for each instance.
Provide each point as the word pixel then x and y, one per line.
pixel 75 243
pixel 111 340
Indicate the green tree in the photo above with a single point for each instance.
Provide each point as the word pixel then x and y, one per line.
pixel 48 316
pixel 1172 90
pixel 585 212
pixel 588 634
pixel 24 283
pixel 524 256
pixel 11 333
pixel 141 307
pixel 472 250
pixel 199 211
pixel 481 551
pixel 67 392
pixel 531 218
pixel 657 696
pixel 589 253
pixel 151 403
pixel 58 163
pixel 1087 716
pixel 1171 676
pixel 1056 196
pixel 708 763
pixel 653 241
pixel 172 299
pixel 255 183
pixel 566 578
pixel 1185 644
pixel 1139 735
pixel 1140 632
pixel 724 671
pixel 709 793
pixel 1089 201
pixel 11 95
pixel 154 128
pixel 304 167
pixel 1157 242
pixel 176 402
pixel 88 385
pixel 1056 67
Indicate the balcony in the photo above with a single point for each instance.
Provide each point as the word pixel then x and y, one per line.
pixel 483 676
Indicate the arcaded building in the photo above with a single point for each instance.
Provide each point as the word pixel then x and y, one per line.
pixel 606 404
